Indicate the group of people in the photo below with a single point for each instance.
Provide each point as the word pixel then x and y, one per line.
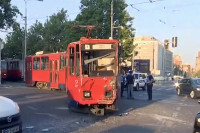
pixel 127 81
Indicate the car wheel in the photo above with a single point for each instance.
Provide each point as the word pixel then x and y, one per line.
pixel 192 94
pixel 178 91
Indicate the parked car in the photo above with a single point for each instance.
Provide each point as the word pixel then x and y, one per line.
pixel 140 81
pixel 197 124
pixel 10 120
pixel 189 86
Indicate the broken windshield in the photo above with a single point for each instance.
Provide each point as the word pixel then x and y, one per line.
pixel 98 63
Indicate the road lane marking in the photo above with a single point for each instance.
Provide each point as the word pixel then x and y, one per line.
pixel 47 114
pixel 42 99
pixel 62 108
pixel 161 118
pixel 33 108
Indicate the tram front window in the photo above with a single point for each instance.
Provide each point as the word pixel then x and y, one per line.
pixel 98 63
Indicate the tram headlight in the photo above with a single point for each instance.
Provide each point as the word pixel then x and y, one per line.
pixel 86 94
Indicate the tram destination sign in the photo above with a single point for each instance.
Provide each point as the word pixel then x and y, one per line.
pixel 98 46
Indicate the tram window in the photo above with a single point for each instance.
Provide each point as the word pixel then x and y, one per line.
pixel 71 66
pixel 56 65
pixel 44 63
pixel 15 65
pixel 36 63
pixel 62 62
pixel 77 61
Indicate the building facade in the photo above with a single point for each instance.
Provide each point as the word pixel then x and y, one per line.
pixel 187 68
pixel 198 62
pixel 161 59
pixel 177 60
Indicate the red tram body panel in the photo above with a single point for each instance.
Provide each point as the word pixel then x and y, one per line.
pixel 3 69
pixel 46 70
pixel 12 69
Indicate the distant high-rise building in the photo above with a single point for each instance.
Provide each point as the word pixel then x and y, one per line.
pixel 198 62
pixel 187 68
pixel 177 60
pixel 161 59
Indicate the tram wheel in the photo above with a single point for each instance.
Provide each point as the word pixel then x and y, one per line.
pixel 39 85
pixel 98 111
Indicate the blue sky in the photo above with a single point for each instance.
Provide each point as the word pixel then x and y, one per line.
pixel 178 18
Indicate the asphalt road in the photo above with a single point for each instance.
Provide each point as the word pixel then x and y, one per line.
pixel 46 111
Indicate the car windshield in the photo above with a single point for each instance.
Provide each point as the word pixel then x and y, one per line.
pixel 196 81
pixel 135 76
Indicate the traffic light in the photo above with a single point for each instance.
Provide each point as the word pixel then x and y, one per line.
pixel 174 41
pixel 166 44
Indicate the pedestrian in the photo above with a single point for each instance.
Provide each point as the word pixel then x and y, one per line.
pixel 130 82
pixel 150 81
pixel 123 82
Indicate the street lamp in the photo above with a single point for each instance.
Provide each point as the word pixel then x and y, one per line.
pixel 25 37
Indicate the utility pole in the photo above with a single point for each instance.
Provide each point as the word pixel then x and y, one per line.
pixel 25 39
pixel 111 20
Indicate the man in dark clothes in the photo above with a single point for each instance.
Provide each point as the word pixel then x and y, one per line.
pixel 150 81
pixel 123 83
pixel 130 83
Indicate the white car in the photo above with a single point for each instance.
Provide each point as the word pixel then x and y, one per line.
pixel 10 120
pixel 140 81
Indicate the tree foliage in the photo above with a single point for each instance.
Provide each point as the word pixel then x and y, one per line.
pixel 35 38
pixel 97 12
pixel 177 70
pixel 13 47
pixel 56 33
pixel 197 74
pixel 7 14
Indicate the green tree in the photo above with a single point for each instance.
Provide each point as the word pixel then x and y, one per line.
pixel 8 14
pixel 54 36
pixel 197 74
pixel 35 38
pixel 13 46
pixel 97 12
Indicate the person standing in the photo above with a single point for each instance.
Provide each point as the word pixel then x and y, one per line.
pixel 130 83
pixel 123 83
pixel 150 81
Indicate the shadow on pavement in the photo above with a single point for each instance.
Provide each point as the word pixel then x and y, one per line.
pixel 129 129
pixel 125 105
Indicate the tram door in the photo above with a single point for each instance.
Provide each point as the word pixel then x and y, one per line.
pixel 54 73
pixel 73 69
pixel 28 72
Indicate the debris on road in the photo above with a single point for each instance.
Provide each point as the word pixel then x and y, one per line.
pixel 45 130
pixel 30 127
pixel 123 114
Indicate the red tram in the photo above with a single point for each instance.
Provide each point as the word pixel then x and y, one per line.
pixel 88 70
pixel 46 71
pixel 12 69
